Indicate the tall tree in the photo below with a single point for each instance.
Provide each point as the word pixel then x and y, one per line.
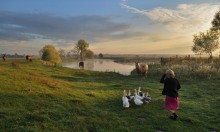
pixel 206 42
pixel 216 22
pixel 80 48
pixel 49 53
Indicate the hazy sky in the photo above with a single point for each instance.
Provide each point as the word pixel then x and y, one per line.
pixel 109 26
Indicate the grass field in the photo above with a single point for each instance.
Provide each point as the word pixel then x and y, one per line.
pixel 36 97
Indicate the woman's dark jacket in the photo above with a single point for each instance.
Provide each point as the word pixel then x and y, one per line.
pixel 171 86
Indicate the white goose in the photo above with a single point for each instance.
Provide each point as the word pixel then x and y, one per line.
pixel 129 96
pixel 125 100
pixel 147 99
pixel 138 96
pixel 137 101
pixel 140 93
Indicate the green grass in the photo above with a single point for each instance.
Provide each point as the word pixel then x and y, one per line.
pixel 35 97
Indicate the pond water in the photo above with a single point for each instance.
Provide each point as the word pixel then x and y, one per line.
pixel 102 65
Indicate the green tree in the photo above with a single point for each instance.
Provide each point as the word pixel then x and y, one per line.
pixel 80 48
pixel 49 53
pixel 89 54
pixel 206 42
pixel 216 22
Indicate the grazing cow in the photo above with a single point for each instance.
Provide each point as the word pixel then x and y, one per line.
pixel 28 58
pixel 81 65
pixel 141 69
pixel 3 57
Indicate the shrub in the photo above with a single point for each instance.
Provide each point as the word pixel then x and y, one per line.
pixel 49 53
pixel 187 71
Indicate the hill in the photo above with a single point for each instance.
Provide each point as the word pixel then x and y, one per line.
pixel 37 97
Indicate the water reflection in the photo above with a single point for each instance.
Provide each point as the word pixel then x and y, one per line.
pixel 102 65
pixel 100 61
pixel 89 65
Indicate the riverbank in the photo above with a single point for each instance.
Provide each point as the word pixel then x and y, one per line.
pixel 36 97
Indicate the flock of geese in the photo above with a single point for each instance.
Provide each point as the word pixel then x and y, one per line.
pixel 139 98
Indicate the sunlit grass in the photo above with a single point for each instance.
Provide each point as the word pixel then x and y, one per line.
pixel 37 97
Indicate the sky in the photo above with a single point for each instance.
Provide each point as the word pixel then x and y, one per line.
pixel 109 26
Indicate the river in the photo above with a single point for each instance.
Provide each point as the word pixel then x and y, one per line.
pixel 104 65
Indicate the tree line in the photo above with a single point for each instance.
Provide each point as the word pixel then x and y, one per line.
pixel 80 51
pixel 16 55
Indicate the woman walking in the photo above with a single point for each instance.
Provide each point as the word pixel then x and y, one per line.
pixel 171 87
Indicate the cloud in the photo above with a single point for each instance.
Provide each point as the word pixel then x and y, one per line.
pixel 157 37
pixel 20 47
pixel 185 18
pixel 24 27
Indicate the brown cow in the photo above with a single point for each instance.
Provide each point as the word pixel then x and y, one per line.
pixel 141 69
pixel 81 65
pixel 28 58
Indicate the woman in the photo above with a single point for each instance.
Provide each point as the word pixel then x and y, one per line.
pixel 171 87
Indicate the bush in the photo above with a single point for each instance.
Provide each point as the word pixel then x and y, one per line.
pixel 49 53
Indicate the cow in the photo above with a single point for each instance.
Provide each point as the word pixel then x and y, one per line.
pixel 3 57
pixel 141 69
pixel 28 58
pixel 81 65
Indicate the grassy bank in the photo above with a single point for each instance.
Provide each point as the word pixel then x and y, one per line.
pixel 36 97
